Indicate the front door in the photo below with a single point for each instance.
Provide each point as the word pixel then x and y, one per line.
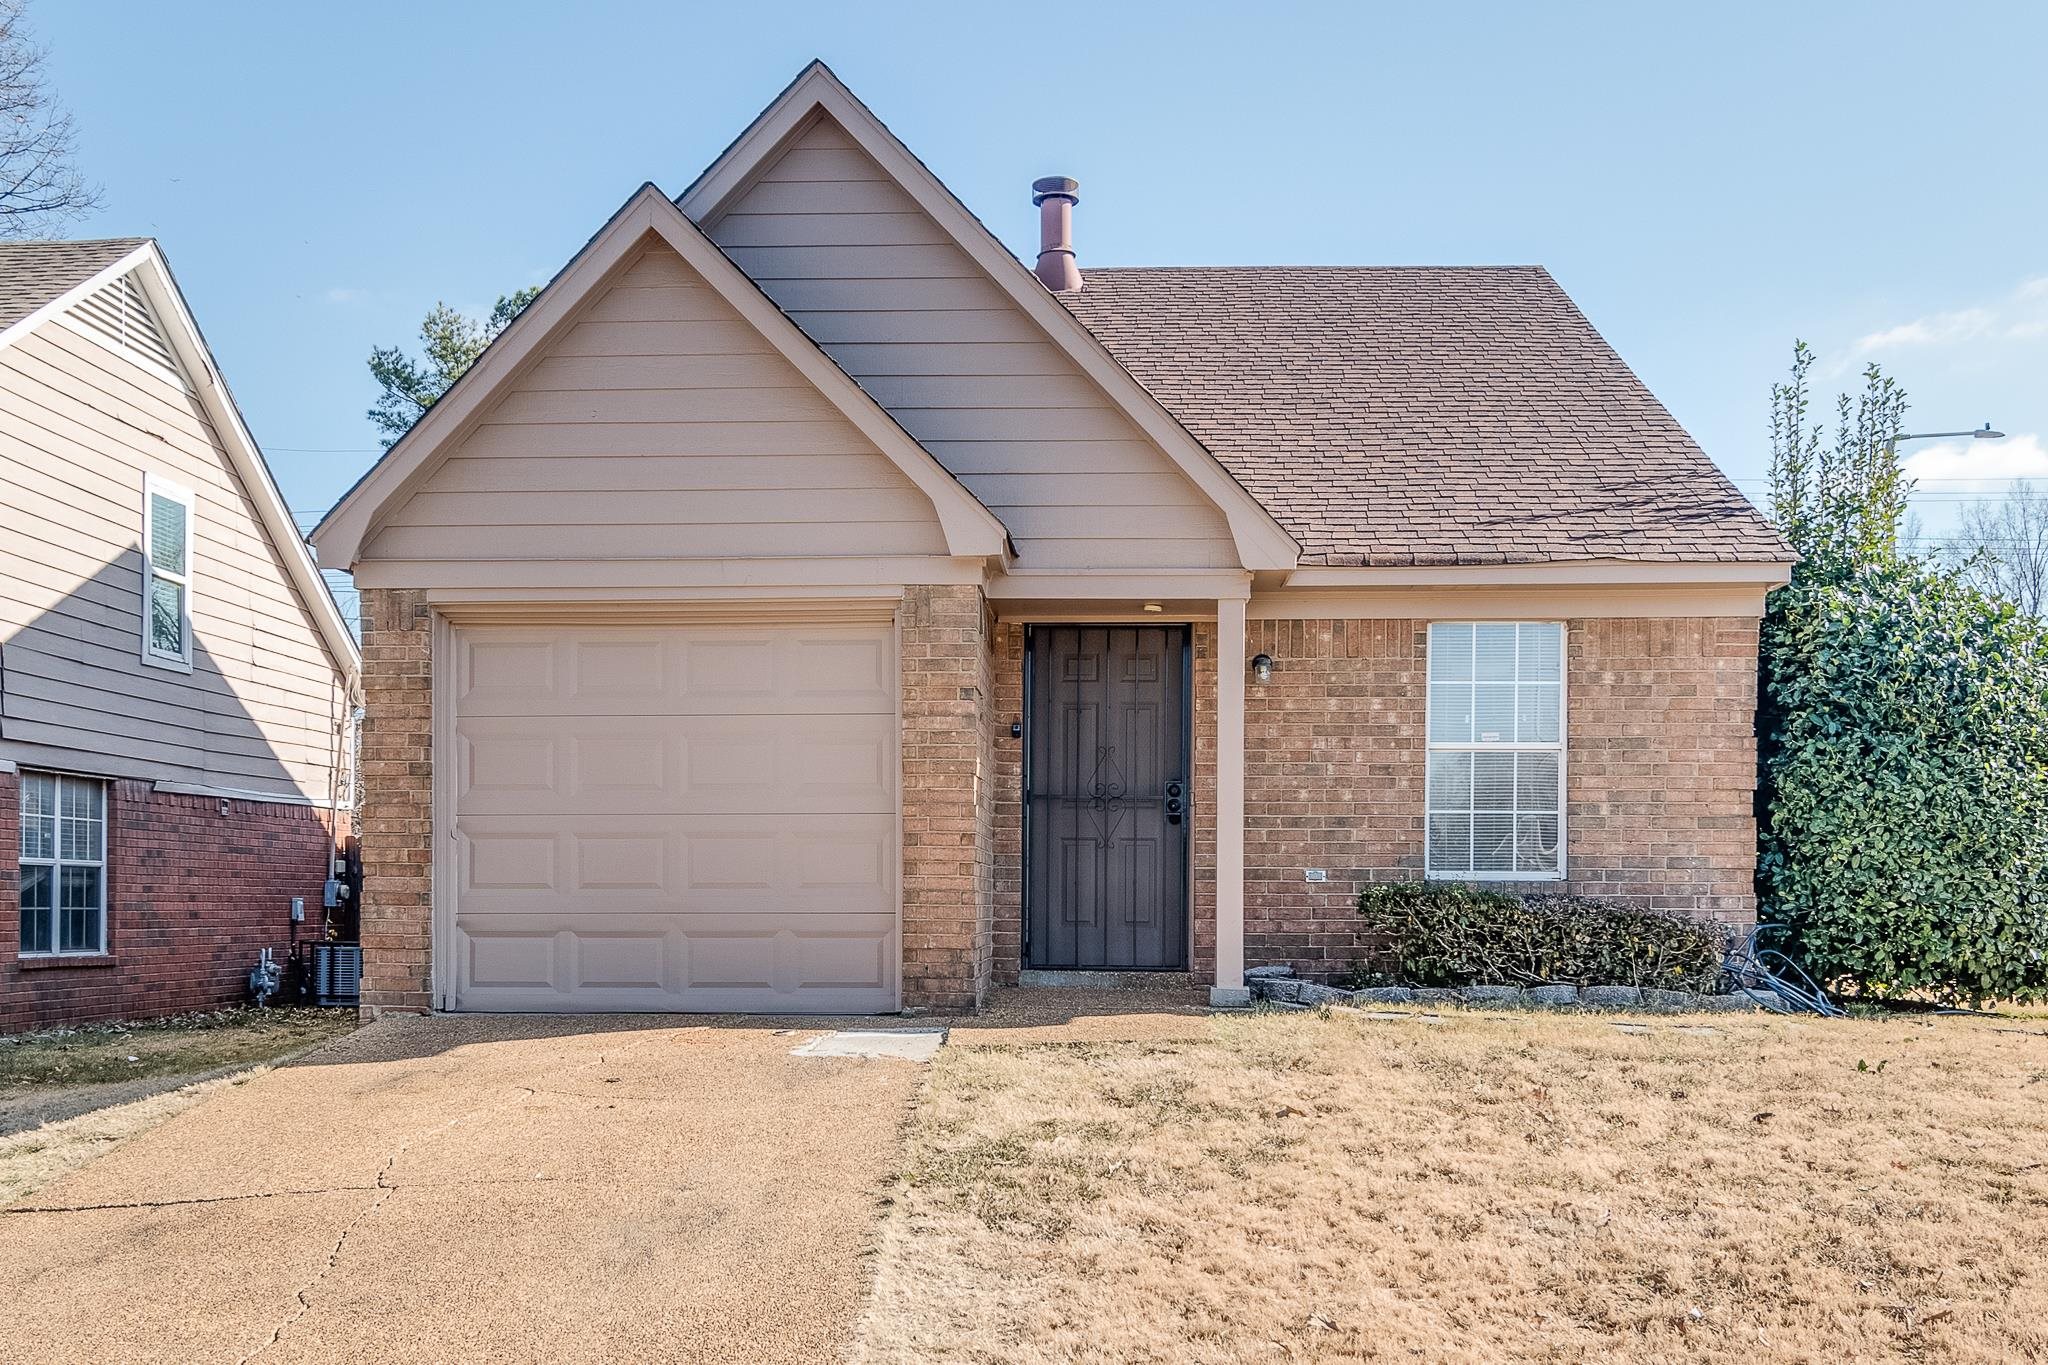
pixel 1106 798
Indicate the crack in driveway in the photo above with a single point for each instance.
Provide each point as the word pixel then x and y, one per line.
pixel 296 1194
pixel 384 1190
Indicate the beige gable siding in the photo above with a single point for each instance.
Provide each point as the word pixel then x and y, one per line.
pixel 261 709
pixel 661 425
pixel 878 284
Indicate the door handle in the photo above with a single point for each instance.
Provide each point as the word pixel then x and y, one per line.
pixel 1176 802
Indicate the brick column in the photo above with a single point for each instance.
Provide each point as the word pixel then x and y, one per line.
pixel 948 798
pixel 398 801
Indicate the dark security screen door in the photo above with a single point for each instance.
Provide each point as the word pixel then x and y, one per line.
pixel 1106 798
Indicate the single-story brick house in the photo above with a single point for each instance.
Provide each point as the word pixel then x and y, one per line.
pixel 806 606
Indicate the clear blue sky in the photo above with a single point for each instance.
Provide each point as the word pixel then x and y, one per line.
pixel 1708 181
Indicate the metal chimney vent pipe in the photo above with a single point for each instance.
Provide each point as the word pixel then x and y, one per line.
pixel 1055 196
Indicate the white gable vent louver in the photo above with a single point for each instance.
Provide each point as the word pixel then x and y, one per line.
pixel 119 315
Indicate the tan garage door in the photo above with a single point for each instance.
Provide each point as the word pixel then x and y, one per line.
pixel 694 817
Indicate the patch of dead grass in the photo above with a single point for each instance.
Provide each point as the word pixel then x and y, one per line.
pixel 1542 1188
pixel 31 1160
pixel 91 1054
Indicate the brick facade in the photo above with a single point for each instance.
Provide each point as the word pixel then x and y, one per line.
pixel 398 801
pixel 1661 767
pixel 1660 770
pixel 948 756
pixel 192 895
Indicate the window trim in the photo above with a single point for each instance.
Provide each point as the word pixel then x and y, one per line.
pixel 57 860
pixel 1559 747
pixel 153 488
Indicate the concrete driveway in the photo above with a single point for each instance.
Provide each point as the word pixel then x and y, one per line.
pixel 500 1189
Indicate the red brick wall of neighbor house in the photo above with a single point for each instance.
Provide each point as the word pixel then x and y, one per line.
pixel 192 895
pixel 1660 770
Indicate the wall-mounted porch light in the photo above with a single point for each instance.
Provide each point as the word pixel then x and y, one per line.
pixel 1153 608
pixel 1262 669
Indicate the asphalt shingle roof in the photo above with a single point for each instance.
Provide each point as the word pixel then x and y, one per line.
pixel 33 273
pixel 1422 416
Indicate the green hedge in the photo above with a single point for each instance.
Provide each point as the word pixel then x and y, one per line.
pixel 1905 785
pixel 1451 934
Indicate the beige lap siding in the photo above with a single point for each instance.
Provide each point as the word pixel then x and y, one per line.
pixel 1661 756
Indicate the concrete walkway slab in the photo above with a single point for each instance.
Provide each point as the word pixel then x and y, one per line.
pixel 511 1189
pixel 894 1044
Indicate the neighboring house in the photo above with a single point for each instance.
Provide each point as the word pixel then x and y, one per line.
pixel 174 677
pixel 801 606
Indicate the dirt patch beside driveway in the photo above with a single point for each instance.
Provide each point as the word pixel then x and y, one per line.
pixel 56 1074
pixel 478 1188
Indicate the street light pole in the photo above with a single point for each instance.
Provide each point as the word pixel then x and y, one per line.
pixel 1983 433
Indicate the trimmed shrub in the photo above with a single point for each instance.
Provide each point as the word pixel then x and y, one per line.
pixel 1905 784
pixel 1452 934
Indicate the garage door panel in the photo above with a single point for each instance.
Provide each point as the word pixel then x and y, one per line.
pixel 586 867
pixel 677 818
pixel 677 764
pixel 707 670
pixel 802 964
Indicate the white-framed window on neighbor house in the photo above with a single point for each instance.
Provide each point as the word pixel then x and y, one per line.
pixel 63 865
pixel 166 574
pixel 1495 803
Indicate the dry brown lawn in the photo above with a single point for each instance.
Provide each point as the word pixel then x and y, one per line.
pixel 1484 1188
pixel 70 1095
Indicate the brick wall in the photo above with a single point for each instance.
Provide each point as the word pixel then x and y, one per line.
pixel 1008 806
pixel 1661 763
pixel 948 798
pixel 192 895
pixel 398 801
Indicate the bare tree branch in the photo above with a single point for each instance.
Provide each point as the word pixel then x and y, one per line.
pixel 40 186
pixel 2005 548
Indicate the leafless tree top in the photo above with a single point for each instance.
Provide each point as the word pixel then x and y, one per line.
pixel 40 187
pixel 2005 547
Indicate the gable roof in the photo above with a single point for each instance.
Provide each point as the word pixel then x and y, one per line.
pixel 40 292
pixel 970 528
pixel 33 274
pixel 1423 416
pixel 1262 542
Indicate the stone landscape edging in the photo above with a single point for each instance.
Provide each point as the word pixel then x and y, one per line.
pixel 1280 986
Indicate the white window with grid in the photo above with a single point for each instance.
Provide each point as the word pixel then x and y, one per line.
pixel 63 866
pixel 1496 751
pixel 166 574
